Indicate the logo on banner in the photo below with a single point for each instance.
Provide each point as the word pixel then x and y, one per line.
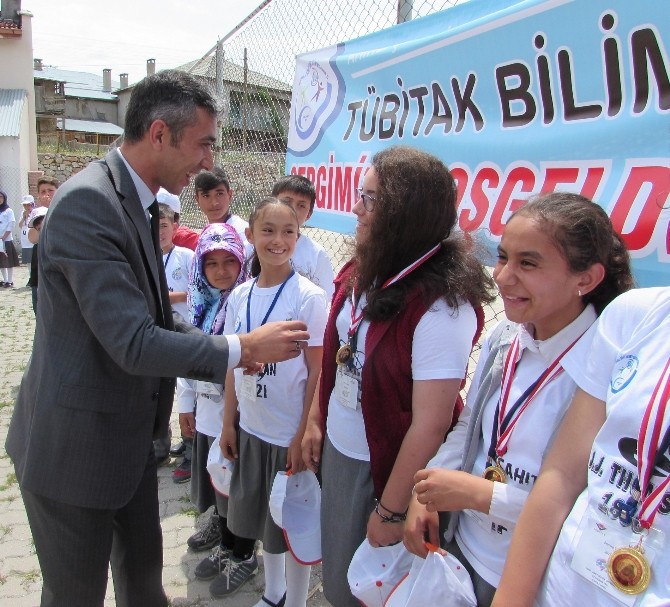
pixel 317 98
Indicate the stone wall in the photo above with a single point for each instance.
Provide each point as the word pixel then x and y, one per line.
pixel 62 166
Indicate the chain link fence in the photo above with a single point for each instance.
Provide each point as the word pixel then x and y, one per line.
pixel 256 69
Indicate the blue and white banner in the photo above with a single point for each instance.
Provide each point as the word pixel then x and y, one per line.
pixel 516 97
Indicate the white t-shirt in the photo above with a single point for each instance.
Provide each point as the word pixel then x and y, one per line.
pixel 7 222
pixel 430 360
pixel 208 398
pixel 240 226
pixel 25 243
pixel 177 267
pixel 620 366
pixel 311 261
pixel 274 415
pixel 484 539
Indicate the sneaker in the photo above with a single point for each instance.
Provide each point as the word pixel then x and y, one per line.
pixel 178 449
pixel 264 602
pixel 234 575
pixel 182 472
pixel 214 564
pixel 8 285
pixel 207 537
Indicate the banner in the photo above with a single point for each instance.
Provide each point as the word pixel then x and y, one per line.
pixel 516 97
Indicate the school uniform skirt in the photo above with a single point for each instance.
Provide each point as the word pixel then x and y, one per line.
pixel 248 505
pixel 10 259
pixel 347 499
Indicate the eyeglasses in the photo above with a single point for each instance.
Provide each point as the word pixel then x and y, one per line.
pixel 368 201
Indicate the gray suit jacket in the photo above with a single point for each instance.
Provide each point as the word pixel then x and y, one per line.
pixel 100 384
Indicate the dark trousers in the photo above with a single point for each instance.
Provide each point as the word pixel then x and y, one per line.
pixel 75 545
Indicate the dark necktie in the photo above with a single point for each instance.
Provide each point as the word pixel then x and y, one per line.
pixel 166 309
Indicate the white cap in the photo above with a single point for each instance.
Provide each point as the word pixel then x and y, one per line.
pixel 28 199
pixel 430 580
pixel 37 212
pixel 220 469
pixel 375 572
pixel 171 200
pixel 295 506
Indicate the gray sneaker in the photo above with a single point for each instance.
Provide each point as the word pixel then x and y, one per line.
pixel 207 537
pixel 233 577
pixel 214 564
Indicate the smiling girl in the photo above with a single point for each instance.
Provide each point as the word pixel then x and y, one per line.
pixel 559 263
pixel 274 403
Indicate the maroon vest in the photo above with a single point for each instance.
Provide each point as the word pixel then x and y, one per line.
pixel 386 379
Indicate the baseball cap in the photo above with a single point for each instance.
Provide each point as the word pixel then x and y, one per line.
pixel 28 199
pixel 38 212
pixel 295 506
pixel 375 572
pixel 171 200
pixel 220 469
pixel 430 580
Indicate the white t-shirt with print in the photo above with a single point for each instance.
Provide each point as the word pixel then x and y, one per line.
pixel 177 267
pixel 621 366
pixel 484 539
pixel 311 261
pixel 274 415
pixel 430 360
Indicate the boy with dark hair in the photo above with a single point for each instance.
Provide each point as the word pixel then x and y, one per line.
pixel 309 258
pixel 213 196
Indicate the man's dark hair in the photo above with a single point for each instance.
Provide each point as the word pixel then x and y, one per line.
pixel 172 96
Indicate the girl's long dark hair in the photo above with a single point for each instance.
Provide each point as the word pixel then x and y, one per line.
pixel 415 210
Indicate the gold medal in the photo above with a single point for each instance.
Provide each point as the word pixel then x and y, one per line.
pixel 344 355
pixel 495 473
pixel 629 569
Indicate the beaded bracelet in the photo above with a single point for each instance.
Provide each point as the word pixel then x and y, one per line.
pixel 395 517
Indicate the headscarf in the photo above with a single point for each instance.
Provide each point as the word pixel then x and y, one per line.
pixel 206 304
pixel 4 206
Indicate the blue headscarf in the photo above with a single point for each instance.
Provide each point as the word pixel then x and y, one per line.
pixel 206 304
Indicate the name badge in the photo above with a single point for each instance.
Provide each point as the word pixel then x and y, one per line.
pixel 602 537
pixel 249 387
pixel 207 387
pixel 346 389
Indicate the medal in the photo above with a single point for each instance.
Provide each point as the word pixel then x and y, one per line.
pixel 495 473
pixel 629 569
pixel 344 355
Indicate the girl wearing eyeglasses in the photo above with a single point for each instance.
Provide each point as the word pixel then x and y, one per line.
pixel 404 316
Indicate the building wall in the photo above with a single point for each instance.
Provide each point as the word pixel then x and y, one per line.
pixel 91 109
pixel 16 72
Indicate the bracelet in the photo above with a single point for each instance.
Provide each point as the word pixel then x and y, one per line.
pixel 394 517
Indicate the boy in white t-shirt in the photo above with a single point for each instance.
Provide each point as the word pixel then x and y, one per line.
pixel 310 258
pixel 177 262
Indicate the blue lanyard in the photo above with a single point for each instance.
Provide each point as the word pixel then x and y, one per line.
pixel 272 305
pixel 167 259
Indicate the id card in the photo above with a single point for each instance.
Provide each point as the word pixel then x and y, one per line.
pixel 207 387
pixel 600 537
pixel 249 387
pixel 346 389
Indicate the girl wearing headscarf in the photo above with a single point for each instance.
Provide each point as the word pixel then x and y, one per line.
pixel 218 267
pixel 8 257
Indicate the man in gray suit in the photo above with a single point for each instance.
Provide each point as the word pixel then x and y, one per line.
pixel 106 351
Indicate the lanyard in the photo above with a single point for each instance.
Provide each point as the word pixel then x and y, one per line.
pixel 650 448
pixel 167 259
pixel 272 305
pixel 505 421
pixel 356 319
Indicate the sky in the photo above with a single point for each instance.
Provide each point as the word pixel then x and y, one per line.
pixel 90 35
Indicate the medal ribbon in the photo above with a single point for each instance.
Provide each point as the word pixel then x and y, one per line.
pixel 649 449
pixel 505 422
pixel 357 318
pixel 272 305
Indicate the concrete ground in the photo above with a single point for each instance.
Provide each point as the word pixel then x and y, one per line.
pixel 20 578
